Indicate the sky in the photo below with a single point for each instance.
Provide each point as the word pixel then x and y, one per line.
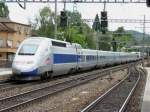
pixel 88 11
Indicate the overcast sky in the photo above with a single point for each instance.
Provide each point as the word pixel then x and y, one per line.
pixel 88 11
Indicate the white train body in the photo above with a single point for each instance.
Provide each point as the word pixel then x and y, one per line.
pixel 39 57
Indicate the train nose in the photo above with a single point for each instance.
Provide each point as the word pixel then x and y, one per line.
pixel 24 67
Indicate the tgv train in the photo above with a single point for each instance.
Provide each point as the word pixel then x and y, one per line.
pixel 40 57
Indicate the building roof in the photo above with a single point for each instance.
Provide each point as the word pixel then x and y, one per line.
pixel 3 27
pixel 6 20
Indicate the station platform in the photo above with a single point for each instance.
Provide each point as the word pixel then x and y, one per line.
pixel 5 73
pixel 146 97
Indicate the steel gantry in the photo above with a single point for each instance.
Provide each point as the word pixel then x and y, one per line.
pixel 122 20
pixel 76 1
pixel 22 4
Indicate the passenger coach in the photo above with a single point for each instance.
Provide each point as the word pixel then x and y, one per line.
pixel 40 57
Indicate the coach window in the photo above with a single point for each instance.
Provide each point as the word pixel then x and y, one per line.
pixel 84 58
pixel 59 44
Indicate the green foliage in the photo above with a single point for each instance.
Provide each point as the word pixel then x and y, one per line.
pixel 4 12
pixel 74 18
pixel 96 25
pixel 79 32
pixel 122 38
pixel 75 32
pixel 104 42
pixel 43 25
pixel 89 34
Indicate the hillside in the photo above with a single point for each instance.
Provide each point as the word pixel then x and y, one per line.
pixel 138 36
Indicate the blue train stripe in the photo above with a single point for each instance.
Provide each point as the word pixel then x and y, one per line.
pixel 64 58
pixel 30 73
pixel 72 58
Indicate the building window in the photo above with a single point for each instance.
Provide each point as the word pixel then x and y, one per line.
pixel 10 57
pixel 18 43
pixel 1 42
pixel 19 30
pixel 25 31
pixel 10 41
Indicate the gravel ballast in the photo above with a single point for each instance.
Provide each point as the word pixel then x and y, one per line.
pixel 75 99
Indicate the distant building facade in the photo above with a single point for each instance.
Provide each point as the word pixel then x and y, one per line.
pixel 11 35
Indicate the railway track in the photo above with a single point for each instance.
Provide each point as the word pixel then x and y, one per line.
pixel 6 86
pixel 116 98
pixel 24 99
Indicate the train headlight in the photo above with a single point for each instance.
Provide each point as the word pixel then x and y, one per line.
pixel 30 62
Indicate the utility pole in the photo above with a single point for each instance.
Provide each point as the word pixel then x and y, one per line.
pixel 64 5
pixel 55 31
pixel 104 6
pixel 143 39
pixel 144 30
pixel 75 7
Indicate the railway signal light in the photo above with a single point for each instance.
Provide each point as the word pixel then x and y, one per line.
pixel 114 44
pixel 104 22
pixel 63 19
pixel 148 3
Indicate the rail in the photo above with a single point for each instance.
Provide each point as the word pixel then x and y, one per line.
pixel 24 99
pixel 98 103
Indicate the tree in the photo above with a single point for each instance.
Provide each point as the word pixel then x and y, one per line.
pixel 4 12
pixel 120 31
pixel 104 42
pixel 89 34
pixel 74 18
pixel 123 38
pixel 76 31
pixel 96 25
pixel 44 25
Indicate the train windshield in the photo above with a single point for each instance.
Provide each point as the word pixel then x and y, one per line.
pixel 28 49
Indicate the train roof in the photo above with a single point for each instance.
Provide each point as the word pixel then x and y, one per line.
pixel 46 38
pixel 55 41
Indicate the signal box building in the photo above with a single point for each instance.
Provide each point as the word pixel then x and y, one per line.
pixel 11 35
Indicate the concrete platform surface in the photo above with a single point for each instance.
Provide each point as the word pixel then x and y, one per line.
pixel 5 73
pixel 146 97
